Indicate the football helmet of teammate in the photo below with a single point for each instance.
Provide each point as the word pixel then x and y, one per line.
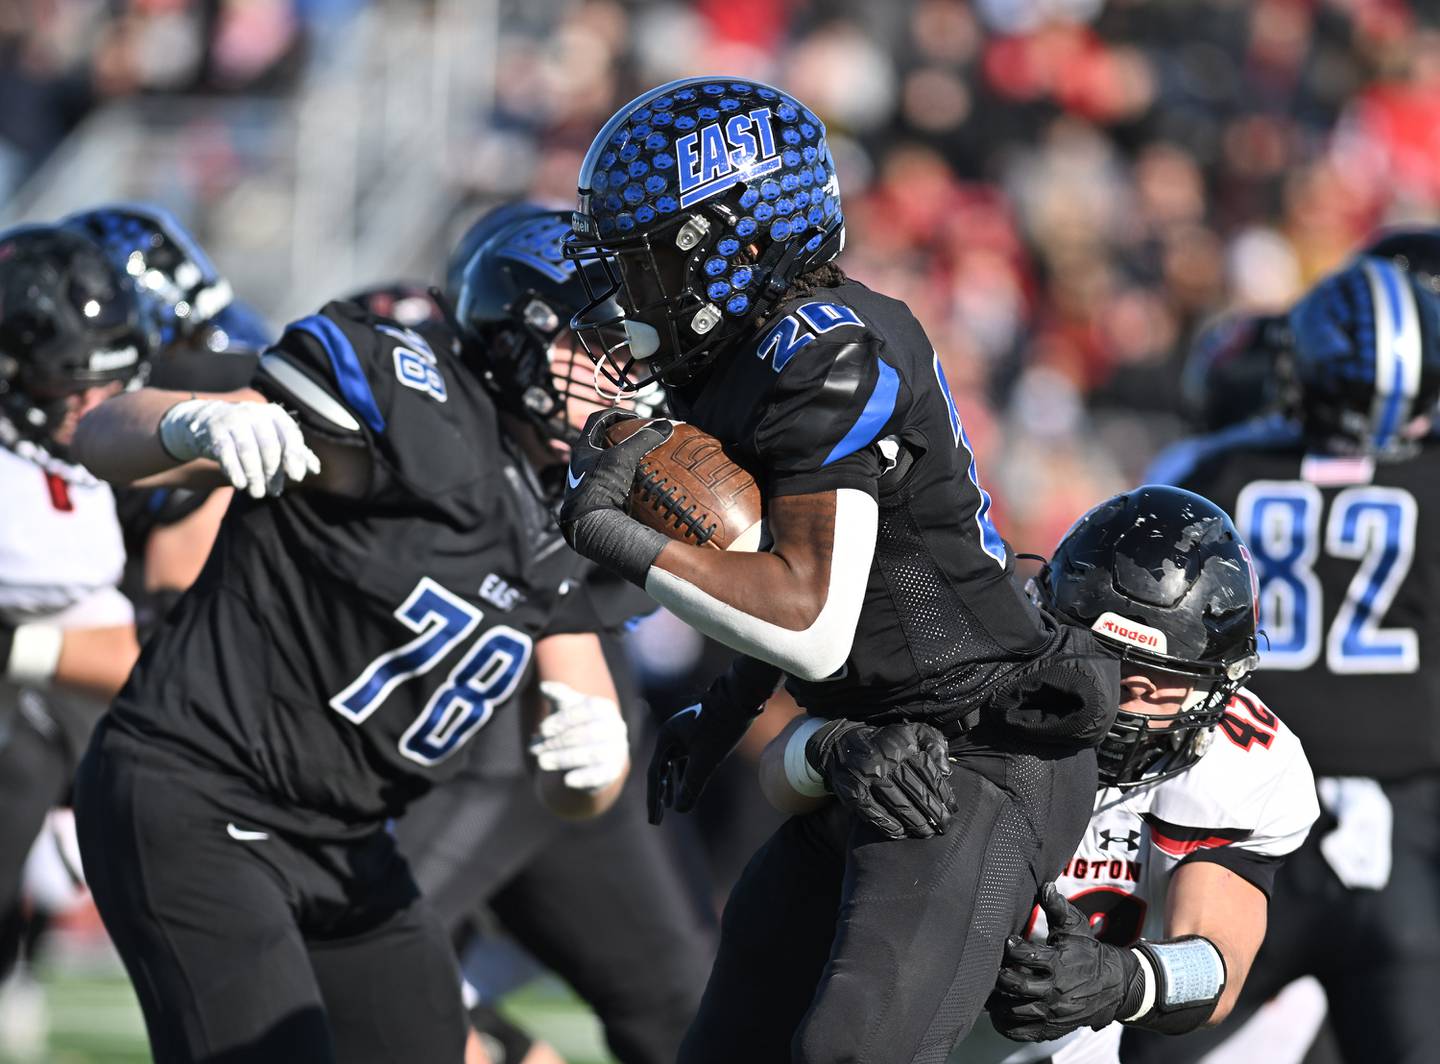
pixel 194 308
pixel 1238 368
pixel 702 199
pixel 1413 248
pixel 514 293
pixel 1161 576
pixel 68 324
pixel 1367 359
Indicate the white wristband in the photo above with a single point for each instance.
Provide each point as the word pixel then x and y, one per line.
pixel 801 776
pixel 34 653
pixel 1148 1001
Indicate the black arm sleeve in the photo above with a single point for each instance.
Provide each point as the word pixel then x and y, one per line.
pixel 1257 869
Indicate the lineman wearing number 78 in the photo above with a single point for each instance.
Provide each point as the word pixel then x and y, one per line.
pixel 347 637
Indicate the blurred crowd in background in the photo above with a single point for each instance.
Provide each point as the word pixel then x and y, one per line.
pixel 1061 189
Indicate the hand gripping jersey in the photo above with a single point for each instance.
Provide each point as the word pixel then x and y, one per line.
pixel 1246 804
pixel 841 389
pixel 1349 590
pixel 337 652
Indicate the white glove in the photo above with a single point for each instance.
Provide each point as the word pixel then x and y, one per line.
pixel 1359 849
pixel 584 736
pixel 258 445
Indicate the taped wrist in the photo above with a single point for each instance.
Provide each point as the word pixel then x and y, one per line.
pixel 31 652
pixel 800 773
pixel 1182 980
pixel 618 542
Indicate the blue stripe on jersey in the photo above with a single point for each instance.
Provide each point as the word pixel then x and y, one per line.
pixel 1174 464
pixel 878 409
pixel 1389 275
pixel 349 374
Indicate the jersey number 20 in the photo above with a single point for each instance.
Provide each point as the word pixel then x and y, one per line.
pixel 1280 520
pixel 483 678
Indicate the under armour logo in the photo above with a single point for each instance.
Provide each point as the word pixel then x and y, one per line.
pixel 1131 840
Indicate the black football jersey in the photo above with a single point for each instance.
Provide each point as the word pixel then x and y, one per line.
pixel 338 652
pixel 841 389
pixel 1347 555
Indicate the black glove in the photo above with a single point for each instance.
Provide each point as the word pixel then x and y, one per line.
pixel 1071 981
pixel 693 742
pixel 593 515
pixel 893 776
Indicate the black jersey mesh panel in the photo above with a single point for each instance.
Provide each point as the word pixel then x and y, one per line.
pixel 951 650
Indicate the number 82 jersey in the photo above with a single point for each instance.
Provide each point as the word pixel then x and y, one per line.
pixel 1349 589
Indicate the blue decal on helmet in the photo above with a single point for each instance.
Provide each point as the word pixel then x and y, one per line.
pixel 538 245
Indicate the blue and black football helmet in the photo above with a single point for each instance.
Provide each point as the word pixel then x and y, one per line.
pixel 1367 358
pixel 1413 248
pixel 1162 578
pixel 1238 368
pixel 702 200
pixel 68 321
pixel 514 292
pixel 194 308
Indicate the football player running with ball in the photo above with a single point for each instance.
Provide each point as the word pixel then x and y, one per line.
pixel 387 578
pixel 885 592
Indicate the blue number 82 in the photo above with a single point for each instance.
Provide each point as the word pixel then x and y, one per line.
pixel 1280 520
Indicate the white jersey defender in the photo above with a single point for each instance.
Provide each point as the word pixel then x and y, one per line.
pixel 1246 804
pixel 62 555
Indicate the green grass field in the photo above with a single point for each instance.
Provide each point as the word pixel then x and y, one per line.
pixel 94 1019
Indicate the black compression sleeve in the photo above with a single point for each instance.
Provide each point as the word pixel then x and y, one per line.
pixel 1257 869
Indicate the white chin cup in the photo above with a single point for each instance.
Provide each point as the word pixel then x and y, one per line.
pixel 643 340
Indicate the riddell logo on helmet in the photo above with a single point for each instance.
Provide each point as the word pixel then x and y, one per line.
pixel 1113 626
pixel 716 156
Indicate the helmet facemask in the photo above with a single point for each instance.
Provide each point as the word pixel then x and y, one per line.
pixel 1162 579
pixel 1145 748
pixel 539 382
pixel 646 322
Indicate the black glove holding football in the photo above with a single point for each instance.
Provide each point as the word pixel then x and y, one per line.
pixel 892 776
pixel 1070 981
pixel 692 743
pixel 593 515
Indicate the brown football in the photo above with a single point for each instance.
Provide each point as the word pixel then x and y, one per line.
pixel 689 489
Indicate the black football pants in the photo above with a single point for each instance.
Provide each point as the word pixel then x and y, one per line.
pixel 35 770
pixel 248 946
pixel 840 946
pixel 1376 952
pixel 599 902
